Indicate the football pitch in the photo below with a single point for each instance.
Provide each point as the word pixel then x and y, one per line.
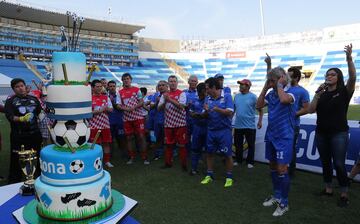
pixel 173 196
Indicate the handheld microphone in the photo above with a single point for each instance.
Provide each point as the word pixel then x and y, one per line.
pixel 325 87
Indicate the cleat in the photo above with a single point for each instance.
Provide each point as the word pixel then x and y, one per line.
pixel 206 180
pixel 270 201
pixel 184 168
pixel 109 165
pixel 166 166
pixel 343 202
pixel 146 162
pixel 228 182
pixel 280 210
pixel 130 161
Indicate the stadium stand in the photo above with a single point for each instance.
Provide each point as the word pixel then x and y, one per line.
pixel 34 33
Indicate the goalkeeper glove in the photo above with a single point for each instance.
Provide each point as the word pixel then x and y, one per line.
pixel 26 118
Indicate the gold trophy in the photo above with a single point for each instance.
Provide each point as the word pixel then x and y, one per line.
pixel 28 161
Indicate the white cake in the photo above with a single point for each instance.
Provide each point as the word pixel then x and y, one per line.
pixel 73 185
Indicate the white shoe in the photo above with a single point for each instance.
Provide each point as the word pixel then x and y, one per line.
pixel 270 201
pixel 146 162
pixel 280 210
pixel 130 161
pixel 235 164
pixel 108 164
pixel 250 166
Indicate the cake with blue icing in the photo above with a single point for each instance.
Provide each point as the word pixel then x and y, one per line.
pixel 73 184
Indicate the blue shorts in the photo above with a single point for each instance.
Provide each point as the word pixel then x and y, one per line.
pixel 219 140
pixel 159 132
pixel 279 151
pixel 198 138
pixel 117 130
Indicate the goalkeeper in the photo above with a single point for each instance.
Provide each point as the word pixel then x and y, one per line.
pixel 22 111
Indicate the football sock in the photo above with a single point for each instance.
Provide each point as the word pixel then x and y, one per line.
pixel 284 181
pixel 275 182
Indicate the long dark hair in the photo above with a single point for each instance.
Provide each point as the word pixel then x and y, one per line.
pixel 340 77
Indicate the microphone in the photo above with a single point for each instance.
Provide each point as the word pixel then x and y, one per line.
pixel 325 87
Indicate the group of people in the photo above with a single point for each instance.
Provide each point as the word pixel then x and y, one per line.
pixel 206 118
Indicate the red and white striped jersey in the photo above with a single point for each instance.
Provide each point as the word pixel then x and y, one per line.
pixel 100 121
pixel 130 97
pixel 174 117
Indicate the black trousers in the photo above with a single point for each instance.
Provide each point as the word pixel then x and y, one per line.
pixel 30 142
pixel 250 135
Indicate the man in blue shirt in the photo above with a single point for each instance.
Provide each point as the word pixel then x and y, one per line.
pixel 219 109
pixel 279 134
pixel 199 131
pixel 159 118
pixel 191 96
pixel 302 103
pixel 245 105
pixel 116 121
pixel 220 78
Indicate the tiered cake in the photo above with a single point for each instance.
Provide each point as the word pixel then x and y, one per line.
pixel 73 184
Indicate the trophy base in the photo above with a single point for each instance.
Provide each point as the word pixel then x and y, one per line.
pixel 26 190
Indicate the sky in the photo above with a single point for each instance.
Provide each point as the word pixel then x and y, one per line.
pixel 212 19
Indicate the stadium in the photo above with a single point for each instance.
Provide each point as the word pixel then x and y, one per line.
pixel 29 36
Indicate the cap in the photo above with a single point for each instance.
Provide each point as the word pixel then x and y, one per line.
pixel 245 81
pixel 219 75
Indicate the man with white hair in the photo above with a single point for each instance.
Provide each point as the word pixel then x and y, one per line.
pixel 279 134
pixel 191 97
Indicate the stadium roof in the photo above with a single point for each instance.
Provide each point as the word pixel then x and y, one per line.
pixel 27 13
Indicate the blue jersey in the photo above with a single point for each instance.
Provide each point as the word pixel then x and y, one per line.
pixel 245 105
pixel 217 121
pixel 116 116
pixel 152 111
pixel 301 97
pixel 191 96
pixel 281 117
pixel 159 116
pixel 226 90
pixel 198 107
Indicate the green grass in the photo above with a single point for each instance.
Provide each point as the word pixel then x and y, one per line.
pixel 74 83
pixel 172 196
pixel 66 214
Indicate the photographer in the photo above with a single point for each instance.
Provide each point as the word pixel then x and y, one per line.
pixel 331 103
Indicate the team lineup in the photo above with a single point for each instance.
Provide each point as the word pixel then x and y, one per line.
pixel 207 119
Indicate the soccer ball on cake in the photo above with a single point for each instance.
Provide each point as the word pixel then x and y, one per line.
pixel 76 131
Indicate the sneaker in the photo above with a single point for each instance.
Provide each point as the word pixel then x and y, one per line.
pixel 156 158
pixel 280 210
pixel 130 161
pixel 206 180
pixel 270 201
pixel 250 166
pixel 343 202
pixel 193 172
pixel 228 182
pixel 146 162
pixel 235 164
pixel 108 164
